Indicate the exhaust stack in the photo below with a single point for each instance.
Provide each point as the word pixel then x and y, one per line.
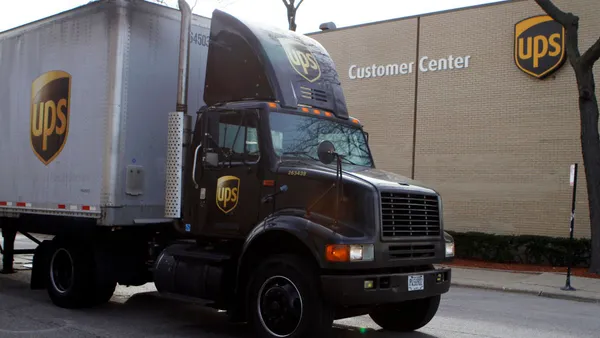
pixel 179 122
pixel 184 56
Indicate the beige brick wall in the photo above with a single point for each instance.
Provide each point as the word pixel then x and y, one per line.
pixel 495 142
pixel 385 105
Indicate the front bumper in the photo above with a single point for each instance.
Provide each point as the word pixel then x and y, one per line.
pixel 349 290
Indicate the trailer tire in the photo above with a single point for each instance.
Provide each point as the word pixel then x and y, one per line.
pixel 406 316
pixel 71 277
pixel 288 280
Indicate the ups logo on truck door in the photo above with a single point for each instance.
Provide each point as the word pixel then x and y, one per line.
pixel 228 189
pixel 302 60
pixel 50 106
pixel 539 46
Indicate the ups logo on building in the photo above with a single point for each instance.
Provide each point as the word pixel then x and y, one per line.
pixel 539 46
pixel 50 107
pixel 228 188
pixel 302 60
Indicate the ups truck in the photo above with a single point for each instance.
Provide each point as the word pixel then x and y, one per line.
pixel 214 158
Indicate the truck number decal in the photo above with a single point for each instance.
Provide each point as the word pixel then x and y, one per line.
pixel 199 39
pixel 297 173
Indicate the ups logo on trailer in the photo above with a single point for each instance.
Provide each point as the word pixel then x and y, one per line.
pixel 539 46
pixel 228 188
pixel 50 106
pixel 302 60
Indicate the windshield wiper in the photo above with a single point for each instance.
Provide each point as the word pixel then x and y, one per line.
pixel 305 153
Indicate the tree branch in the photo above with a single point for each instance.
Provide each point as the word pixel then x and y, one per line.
pixel 591 55
pixel 571 24
pixel 572 42
pixel 556 14
pixel 300 3
pixel 287 4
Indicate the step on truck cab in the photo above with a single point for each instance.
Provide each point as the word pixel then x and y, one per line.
pixel 264 200
pixel 290 223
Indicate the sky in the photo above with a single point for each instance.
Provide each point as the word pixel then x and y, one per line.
pixel 310 14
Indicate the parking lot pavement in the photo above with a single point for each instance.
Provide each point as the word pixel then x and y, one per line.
pixel 140 312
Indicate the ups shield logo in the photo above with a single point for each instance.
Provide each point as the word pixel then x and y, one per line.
pixel 50 106
pixel 228 188
pixel 302 60
pixel 539 46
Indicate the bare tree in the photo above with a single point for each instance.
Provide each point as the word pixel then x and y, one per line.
pixel 588 113
pixel 292 8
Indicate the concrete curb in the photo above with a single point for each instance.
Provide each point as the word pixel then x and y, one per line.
pixel 540 293
pixel 501 270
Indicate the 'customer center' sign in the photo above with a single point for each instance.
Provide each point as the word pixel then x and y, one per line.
pixel 424 65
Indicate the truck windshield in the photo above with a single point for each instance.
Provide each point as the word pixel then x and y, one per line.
pixel 297 136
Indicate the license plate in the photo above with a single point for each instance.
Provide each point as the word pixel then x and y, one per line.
pixel 416 283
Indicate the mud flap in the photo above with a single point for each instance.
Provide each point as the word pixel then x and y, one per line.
pixel 41 263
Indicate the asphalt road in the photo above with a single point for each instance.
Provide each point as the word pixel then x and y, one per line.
pixel 464 313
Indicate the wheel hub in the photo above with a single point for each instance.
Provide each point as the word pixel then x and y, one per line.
pixel 61 271
pixel 280 306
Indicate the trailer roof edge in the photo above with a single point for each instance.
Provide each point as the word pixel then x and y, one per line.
pixel 95 5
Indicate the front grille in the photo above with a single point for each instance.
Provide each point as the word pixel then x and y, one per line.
pixel 412 251
pixel 406 215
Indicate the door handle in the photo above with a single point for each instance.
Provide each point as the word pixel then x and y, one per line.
pixel 194 168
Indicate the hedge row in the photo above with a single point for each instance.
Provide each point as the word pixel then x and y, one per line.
pixel 539 250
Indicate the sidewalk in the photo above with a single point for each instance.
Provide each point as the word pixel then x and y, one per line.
pixel 542 284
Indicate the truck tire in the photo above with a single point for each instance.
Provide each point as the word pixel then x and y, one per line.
pixel 406 316
pixel 285 300
pixel 71 277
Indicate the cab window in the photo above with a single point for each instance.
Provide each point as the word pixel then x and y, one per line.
pixel 238 137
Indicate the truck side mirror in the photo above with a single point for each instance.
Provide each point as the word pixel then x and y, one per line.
pixel 212 159
pixel 326 152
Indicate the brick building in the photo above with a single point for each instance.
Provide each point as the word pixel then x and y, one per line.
pixel 449 99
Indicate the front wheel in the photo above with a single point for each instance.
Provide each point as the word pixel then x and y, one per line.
pixel 406 316
pixel 285 300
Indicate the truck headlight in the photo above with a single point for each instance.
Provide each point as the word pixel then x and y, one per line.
pixel 350 252
pixel 449 244
pixel 449 249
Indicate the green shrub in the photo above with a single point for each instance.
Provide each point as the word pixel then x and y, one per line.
pixel 539 250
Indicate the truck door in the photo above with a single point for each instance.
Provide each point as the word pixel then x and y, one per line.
pixel 232 182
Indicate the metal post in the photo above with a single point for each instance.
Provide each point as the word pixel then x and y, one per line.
pixel 568 286
pixel 9 233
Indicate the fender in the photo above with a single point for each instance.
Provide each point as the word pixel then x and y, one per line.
pixel 313 235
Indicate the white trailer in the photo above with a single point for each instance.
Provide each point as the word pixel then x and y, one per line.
pixel 85 99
